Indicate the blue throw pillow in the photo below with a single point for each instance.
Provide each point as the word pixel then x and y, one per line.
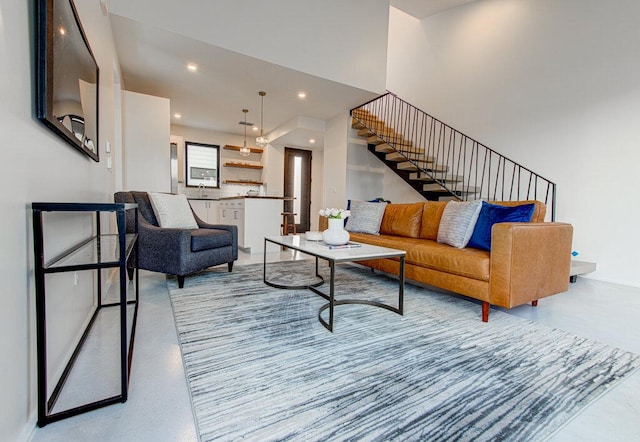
pixel 491 214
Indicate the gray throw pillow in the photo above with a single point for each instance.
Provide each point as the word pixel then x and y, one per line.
pixel 457 222
pixel 365 217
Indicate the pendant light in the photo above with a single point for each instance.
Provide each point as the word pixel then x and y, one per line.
pixel 262 140
pixel 244 150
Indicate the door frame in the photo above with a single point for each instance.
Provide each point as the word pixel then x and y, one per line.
pixel 304 215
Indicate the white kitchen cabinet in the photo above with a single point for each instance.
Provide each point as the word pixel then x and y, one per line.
pixel 207 210
pixel 232 213
pixel 255 219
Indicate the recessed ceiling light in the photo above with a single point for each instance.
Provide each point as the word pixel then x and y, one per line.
pixel 62 30
pixel 192 67
pixel 302 95
pixel 177 115
pixel 312 140
pixel 255 128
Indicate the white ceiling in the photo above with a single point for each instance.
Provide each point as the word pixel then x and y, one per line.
pixel 424 8
pixel 153 61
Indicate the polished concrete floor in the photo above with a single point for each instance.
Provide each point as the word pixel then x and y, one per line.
pixel 158 408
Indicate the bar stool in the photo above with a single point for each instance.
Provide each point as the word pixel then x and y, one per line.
pixel 288 222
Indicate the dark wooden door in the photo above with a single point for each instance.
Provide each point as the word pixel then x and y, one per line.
pixel 297 183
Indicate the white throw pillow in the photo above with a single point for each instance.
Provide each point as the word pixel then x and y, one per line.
pixel 365 217
pixel 172 210
pixel 457 222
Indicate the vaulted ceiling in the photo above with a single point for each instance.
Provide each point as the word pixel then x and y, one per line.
pixel 152 61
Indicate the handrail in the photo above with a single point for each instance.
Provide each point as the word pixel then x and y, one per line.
pixel 466 168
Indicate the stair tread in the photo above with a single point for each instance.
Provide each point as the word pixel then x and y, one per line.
pixel 425 162
pixel 384 148
pixel 406 165
pixel 435 187
pixel 418 176
pixel 368 132
pixel 375 140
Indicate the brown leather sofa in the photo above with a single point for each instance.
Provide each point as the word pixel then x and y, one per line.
pixel 527 261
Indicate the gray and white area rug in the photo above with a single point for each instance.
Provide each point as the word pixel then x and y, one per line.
pixel 261 367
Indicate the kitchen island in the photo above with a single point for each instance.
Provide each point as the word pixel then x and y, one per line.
pixel 255 216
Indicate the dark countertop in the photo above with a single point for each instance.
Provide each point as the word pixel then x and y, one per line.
pixel 287 198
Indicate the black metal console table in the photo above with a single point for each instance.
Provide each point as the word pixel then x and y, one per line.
pixel 100 251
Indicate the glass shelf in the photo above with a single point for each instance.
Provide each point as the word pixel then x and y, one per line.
pixel 103 250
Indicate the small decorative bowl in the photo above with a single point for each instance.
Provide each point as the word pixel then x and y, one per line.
pixel 252 193
pixel 313 236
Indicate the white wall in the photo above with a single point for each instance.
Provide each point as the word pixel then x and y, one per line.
pixel 551 84
pixel 334 178
pixel 369 178
pixel 38 166
pixel 311 36
pixel 146 141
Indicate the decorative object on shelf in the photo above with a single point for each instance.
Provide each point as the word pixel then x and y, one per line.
pixel 244 150
pixel 252 193
pixel 335 235
pixel 262 140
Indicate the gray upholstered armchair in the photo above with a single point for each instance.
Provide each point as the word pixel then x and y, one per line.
pixel 178 251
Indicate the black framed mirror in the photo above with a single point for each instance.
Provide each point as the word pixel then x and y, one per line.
pixel 66 76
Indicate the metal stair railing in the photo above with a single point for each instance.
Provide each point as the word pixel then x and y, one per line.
pixel 464 167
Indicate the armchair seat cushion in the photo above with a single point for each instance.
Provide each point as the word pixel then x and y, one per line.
pixel 206 239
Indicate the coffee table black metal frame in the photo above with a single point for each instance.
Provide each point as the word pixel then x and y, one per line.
pixel 321 251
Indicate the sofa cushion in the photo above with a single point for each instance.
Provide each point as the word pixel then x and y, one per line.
pixel 491 214
pixel 457 222
pixel 365 217
pixel 431 215
pixel 172 211
pixel 402 220
pixel 205 239
pixel 468 262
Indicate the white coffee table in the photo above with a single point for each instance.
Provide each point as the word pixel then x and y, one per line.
pixel 320 250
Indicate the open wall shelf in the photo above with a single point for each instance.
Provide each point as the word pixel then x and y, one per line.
pixel 243 165
pixel 252 149
pixel 247 183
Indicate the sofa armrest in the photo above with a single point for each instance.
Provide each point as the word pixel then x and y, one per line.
pixel 227 227
pixel 529 261
pixel 176 240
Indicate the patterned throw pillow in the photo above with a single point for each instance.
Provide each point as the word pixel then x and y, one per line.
pixel 172 211
pixel 457 222
pixel 365 217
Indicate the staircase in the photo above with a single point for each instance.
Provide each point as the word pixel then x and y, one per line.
pixel 440 162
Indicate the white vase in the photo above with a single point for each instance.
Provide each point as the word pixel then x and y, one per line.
pixel 335 235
